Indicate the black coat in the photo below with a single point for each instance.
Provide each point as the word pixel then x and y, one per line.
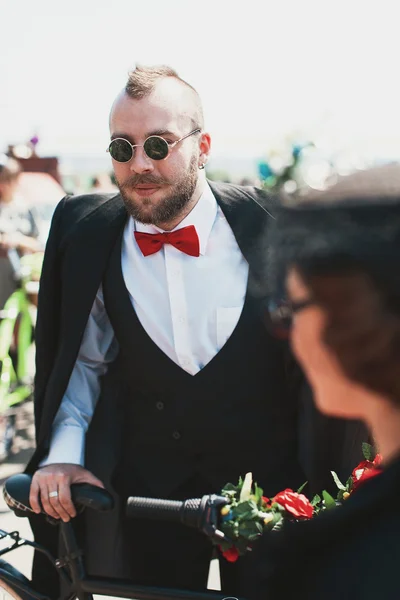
pixel 351 552
pixel 83 234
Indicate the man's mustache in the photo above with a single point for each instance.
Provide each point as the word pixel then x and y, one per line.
pixel 136 180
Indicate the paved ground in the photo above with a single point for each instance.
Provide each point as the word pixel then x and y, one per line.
pixel 23 448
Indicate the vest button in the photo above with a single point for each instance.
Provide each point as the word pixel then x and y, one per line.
pixel 176 435
pixel 159 405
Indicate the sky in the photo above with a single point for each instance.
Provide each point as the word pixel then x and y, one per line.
pixel 267 70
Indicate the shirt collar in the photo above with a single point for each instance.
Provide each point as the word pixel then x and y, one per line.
pixel 202 216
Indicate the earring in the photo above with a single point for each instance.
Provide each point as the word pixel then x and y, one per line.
pixel 202 166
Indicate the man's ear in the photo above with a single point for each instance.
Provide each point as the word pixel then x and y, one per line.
pixel 205 148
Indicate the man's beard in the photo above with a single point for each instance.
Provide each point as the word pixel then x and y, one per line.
pixel 168 208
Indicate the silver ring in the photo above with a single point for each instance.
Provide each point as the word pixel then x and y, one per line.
pixel 53 494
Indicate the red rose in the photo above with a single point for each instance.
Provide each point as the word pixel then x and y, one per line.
pixel 365 470
pixel 231 554
pixel 265 500
pixel 296 504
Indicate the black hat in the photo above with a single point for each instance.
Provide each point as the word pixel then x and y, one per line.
pixel 354 223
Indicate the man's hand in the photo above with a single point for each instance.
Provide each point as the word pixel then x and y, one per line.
pixel 58 478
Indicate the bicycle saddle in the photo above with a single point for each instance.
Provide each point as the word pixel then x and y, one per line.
pixel 16 495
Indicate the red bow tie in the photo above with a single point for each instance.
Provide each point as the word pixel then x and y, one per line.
pixel 185 239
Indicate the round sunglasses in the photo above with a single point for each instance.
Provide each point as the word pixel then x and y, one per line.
pixel 155 147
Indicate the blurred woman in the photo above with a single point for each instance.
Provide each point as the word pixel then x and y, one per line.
pixel 339 254
pixel 17 227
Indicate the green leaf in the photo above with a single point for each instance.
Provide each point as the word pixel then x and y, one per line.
pixel 278 525
pixel 258 492
pixel 250 529
pixel 229 487
pixel 244 508
pixel 229 529
pixel 316 500
pixel 328 500
pixel 368 451
pixel 301 488
pixel 278 507
pixel 339 484
pixel 278 518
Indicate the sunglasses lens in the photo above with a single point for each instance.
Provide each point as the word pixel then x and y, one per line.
pixel 120 150
pixel 156 148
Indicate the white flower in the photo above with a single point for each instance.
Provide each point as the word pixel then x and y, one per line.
pixel 245 492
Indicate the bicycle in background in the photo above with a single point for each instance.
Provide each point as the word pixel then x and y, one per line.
pixel 17 323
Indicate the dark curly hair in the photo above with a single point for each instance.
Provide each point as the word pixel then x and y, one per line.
pixel 345 244
pixel 362 327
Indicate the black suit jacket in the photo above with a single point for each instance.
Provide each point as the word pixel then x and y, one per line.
pixel 83 233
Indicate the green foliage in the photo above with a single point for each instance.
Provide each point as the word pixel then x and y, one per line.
pixel 339 484
pixel 258 493
pixel 301 488
pixel 329 502
pixel 244 522
pixel 250 530
pixel 245 510
pixel 316 500
pixel 368 451
pixel 349 484
pixel 248 513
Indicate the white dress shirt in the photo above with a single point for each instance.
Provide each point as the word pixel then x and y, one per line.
pixel 189 306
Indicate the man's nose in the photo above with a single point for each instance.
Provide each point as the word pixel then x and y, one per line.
pixel 140 162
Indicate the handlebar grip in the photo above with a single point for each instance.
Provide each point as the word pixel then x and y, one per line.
pixel 153 508
pixel 189 512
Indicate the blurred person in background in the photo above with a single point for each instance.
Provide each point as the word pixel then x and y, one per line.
pixel 17 226
pixel 340 254
pixel 176 386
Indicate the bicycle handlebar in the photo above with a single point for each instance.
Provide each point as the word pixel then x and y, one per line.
pixel 200 513
pixel 17 488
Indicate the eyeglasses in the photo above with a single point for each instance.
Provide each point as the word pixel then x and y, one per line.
pixel 155 147
pixel 281 314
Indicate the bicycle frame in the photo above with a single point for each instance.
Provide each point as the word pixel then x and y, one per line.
pixel 72 571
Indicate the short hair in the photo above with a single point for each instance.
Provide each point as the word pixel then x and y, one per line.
pixel 142 81
pixel 9 170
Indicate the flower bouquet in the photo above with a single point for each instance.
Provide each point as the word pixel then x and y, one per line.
pixel 248 513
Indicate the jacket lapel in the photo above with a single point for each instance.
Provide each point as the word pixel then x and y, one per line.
pixel 250 215
pixel 85 255
pixel 85 261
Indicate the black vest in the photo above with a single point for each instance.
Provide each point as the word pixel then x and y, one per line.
pixel 234 416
